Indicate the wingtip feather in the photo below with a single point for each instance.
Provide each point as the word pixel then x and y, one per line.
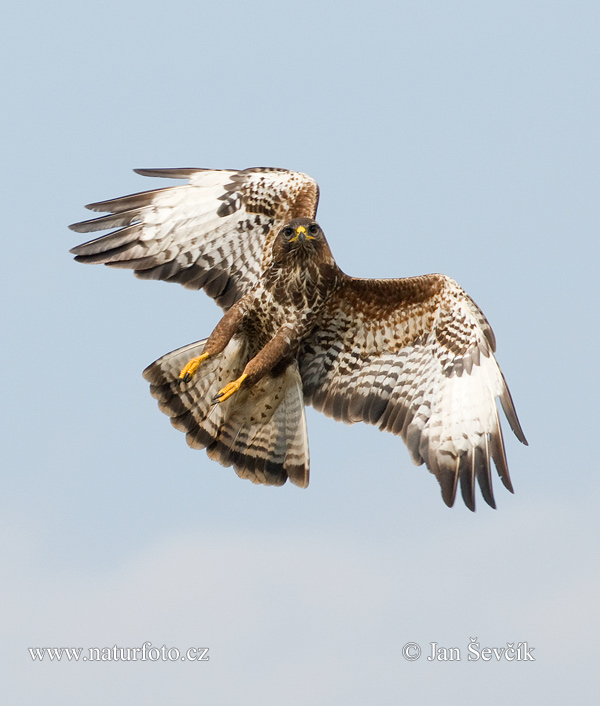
pixel 169 173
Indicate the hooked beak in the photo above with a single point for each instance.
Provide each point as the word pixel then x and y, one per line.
pixel 301 235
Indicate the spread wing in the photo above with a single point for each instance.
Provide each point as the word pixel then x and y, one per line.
pixel 214 233
pixel 415 357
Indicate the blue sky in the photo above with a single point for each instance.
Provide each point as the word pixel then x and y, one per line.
pixel 446 137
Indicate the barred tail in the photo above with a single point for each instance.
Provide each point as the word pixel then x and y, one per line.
pixel 260 431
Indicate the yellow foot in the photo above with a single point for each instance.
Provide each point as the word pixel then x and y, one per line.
pixel 191 366
pixel 229 389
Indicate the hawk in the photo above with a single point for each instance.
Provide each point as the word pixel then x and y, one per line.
pixel 412 356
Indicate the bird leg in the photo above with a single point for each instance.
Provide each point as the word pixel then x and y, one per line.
pixel 277 349
pixel 191 366
pixel 229 389
pixel 217 341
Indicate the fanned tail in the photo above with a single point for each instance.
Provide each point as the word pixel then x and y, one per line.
pixel 260 431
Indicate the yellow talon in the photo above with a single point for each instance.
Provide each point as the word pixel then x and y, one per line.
pixel 229 389
pixel 191 366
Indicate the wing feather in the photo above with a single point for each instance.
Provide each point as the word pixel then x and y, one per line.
pixel 415 357
pixel 216 232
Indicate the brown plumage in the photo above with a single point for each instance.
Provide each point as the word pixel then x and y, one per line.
pixel 413 356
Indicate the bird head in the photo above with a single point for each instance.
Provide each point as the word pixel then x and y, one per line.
pixel 299 237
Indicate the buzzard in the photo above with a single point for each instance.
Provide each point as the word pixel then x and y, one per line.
pixel 412 356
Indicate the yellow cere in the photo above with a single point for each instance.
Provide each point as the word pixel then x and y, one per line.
pixel 301 229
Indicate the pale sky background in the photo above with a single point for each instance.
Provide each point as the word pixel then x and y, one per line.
pixel 455 137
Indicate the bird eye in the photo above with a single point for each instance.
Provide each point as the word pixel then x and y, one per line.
pixel 312 229
pixel 288 231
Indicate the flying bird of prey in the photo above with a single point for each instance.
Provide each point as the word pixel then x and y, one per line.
pixel 412 356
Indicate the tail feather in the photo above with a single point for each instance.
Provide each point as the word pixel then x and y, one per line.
pixel 260 431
